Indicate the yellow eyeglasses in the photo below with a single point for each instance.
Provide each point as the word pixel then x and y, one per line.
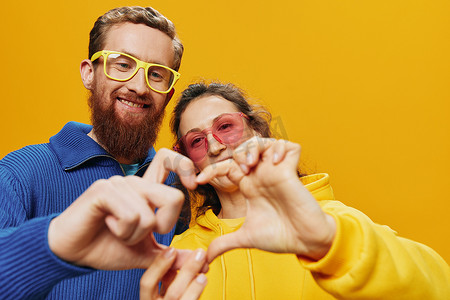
pixel 122 67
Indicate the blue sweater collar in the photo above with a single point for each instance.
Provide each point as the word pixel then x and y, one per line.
pixel 73 146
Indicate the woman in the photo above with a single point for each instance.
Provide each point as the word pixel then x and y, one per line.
pixel 254 199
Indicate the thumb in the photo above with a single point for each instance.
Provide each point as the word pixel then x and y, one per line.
pixel 225 243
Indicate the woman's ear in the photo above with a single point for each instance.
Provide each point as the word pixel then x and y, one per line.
pixel 87 73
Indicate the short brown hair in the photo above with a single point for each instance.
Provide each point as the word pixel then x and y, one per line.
pixel 137 15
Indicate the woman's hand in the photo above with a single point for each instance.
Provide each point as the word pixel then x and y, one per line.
pixel 186 284
pixel 282 216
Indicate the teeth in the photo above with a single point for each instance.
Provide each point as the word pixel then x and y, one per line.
pixel 131 103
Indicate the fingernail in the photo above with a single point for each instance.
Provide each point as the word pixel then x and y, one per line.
pixel 200 255
pixel 275 157
pixel 169 252
pixel 244 168
pixel 201 278
pixel 249 158
pixel 200 177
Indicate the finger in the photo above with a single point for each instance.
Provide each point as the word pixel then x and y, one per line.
pixel 228 168
pixel 169 203
pixel 156 171
pixel 278 151
pixel 129 217
pixel 292 152
pixel 168 200
pixel 241 154
pixel 248 153
pixel 186 275
pixel 167 160
pixel 131 228
pixel 167 280
pixel 225 243
pixel 196 288
pixel 149 283
pixel 183 256
pixel 137 207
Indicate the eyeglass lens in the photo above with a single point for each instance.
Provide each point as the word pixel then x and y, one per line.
pixel 227 129
pixel 123 67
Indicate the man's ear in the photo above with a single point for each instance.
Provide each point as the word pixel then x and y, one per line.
pixel 87 73
pixel 169 95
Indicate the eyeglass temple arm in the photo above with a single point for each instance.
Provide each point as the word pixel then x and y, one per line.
pixel 96 55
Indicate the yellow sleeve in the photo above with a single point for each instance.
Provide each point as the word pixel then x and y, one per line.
pixel 369 261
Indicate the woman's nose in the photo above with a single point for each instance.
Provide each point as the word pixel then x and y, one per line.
pixel 215 147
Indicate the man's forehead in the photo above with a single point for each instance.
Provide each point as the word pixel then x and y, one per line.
pixel 141 41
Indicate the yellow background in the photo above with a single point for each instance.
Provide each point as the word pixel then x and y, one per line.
pixel 363 86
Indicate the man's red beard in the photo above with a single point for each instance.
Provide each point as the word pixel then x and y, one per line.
pixel 120 139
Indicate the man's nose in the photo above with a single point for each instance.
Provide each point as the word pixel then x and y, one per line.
pixel 215 147
pixel 138 83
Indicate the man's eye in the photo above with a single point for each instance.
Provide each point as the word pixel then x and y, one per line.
pixel 122 66
pixel 156 76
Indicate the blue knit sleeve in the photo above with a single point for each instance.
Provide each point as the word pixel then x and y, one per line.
pixel 28 268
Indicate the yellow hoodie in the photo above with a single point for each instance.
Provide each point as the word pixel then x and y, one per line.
pixel 366 261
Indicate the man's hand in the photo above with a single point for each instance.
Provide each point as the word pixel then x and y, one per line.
pixel 167 160
pixel 110 225
pixel 282 216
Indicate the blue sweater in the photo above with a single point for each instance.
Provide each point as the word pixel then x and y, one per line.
pixel 36 184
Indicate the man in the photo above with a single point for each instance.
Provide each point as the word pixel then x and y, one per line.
pixel 107 219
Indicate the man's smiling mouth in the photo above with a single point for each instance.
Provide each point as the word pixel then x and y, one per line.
pixel 132 104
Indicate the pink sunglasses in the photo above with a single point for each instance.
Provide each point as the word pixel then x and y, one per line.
pixel 227 129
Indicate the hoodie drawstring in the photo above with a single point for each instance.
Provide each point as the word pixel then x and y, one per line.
pixel 250 271
pixel 224 270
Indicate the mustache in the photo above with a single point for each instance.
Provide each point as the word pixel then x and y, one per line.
pixel 133 97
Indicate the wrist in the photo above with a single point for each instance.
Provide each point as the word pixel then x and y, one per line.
pixel 56 241
pixel 52 238
pixel 316 230
pixel 323 245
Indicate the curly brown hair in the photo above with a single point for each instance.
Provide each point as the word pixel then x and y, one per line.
pixel 205 197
